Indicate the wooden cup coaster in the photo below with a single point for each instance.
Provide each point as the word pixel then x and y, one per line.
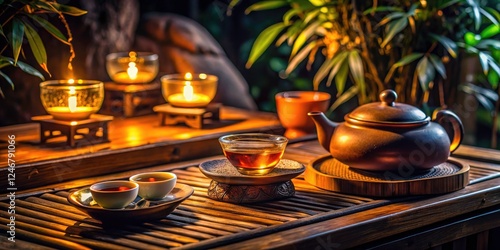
pixel 330 174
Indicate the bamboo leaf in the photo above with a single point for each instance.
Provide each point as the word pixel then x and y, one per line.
pixel 50 28
pixel 341 78
pixel 447 43
pixel 231 6
pixel 475 13
pixel 287 17
pixel 318 2
pixel 489 43
pixel 382 9
pixel 412 9
pixel 265 38
pixel 337 64
pixel 30 70
pixel 266 5
pixel 68 10
pixel 494 66
pixel 473 89
pixel 483 59
pixel 490 31
pixel 291 33
pixel 37 47
pixel 304 35
pixel 402 62
pixel 447 4
pixel 17 37
pixel 438 64
pixel 425 72
pixel 1 31
pixel 394 28
pixel 300 57
pixel 329 66
pixel 7 78
pixel 311 15
pixel 493 12
pixel 350 93
pixel 489 16
pixel 323 71
pixel 389 18
pixel 357 71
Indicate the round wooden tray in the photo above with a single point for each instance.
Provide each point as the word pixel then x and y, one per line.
pixel 330 174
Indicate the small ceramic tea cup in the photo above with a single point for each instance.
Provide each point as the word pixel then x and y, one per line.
pixel 253 153
pixel 292 108
pixel 114 194
pixel 154 185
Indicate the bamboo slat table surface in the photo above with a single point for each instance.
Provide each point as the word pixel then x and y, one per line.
pixel 312 219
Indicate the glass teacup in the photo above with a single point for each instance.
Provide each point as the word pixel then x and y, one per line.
pixel 253 153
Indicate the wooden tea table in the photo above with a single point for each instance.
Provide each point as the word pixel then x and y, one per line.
pixel 312 219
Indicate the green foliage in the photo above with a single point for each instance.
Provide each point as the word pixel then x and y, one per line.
pixel 368 46
pixel 22 19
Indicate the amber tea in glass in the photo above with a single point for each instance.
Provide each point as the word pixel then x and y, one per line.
pixel 253 154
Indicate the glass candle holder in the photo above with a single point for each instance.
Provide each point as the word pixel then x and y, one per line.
pixel 132 67
pixel 189 91
pixel 71 100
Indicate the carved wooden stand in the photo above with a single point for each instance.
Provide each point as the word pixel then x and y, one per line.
pixel 192 117
pixel 250 193
pixel 130 100
pixel 93 130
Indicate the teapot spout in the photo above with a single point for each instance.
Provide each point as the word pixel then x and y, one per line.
pixel 324 128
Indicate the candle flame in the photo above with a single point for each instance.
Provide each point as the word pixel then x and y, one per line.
pixel 188 92
pixel 188 76
pixel 132 70
pixel 72 98
pixel 72 103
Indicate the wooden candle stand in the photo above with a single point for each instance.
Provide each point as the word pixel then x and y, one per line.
pixel 192 117
pixel 93 130
pixel 130 100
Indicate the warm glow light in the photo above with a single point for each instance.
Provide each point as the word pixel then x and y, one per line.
pixel 71 81
pixel 72 99
pixel 188 91
pixel 188 76
pixel 132 70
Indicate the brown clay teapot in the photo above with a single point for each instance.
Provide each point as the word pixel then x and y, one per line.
pixel 388 135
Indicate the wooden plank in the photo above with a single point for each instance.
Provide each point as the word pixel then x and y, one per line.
pixel 442 233
pixel 363 227
pixel 21 244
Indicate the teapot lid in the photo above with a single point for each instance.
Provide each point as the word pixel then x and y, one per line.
pixel 388 111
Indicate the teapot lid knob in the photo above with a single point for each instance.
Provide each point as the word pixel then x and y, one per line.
pixel 388 97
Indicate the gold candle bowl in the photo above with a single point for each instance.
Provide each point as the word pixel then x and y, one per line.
pixel 189 90
pixel 132 67
pixel 71 100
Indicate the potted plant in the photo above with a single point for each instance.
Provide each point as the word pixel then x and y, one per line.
pixel 22 20
pixel 363 47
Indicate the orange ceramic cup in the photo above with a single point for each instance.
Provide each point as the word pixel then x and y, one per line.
pixel 292 108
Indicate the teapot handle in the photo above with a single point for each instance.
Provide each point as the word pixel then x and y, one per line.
pixel 442 116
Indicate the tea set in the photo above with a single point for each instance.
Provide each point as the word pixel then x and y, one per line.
pixel 374 137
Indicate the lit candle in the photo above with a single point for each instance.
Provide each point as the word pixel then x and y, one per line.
pixel 134 69
pixel 188 98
